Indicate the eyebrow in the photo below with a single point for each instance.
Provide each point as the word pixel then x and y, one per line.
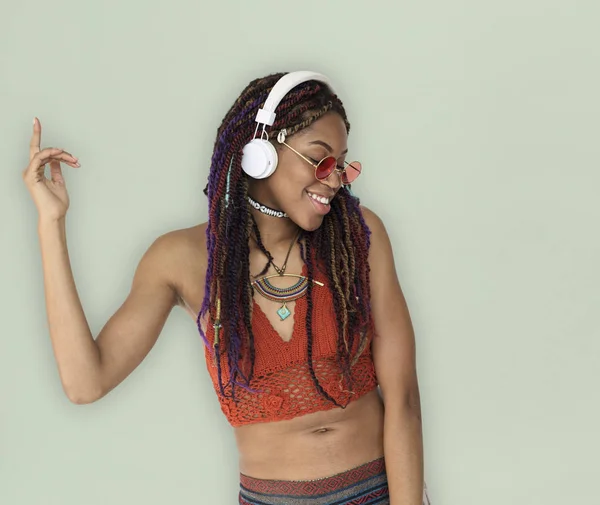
pixel 325 145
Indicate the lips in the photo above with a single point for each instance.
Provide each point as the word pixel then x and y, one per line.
pixel 325 200
pixel 318 202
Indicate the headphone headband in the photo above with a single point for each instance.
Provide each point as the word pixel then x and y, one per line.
pixel 259 157
pixel 266 115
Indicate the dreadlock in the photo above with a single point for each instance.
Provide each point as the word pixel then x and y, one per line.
pixel 339 247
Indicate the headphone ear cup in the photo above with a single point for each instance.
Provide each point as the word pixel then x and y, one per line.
pixel 259 158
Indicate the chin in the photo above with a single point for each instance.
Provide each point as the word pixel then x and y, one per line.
pixel 306 216
pixel 310 224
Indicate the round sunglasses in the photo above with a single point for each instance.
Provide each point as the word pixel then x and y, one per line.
pixel 328 165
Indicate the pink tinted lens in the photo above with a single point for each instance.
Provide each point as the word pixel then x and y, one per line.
pixel 325 167
pixel 351 172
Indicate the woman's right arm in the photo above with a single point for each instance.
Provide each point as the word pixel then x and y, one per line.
pixel 89 368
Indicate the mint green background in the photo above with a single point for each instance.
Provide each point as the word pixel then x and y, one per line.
pixel 477 124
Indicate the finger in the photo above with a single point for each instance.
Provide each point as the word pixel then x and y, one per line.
pixel 50 152
pixel 36 171
pixel 42 157
pixel 66 158
pixel 73 158
pixel 56 172
pixel 36 166
pixel 34 143
pixel 68 153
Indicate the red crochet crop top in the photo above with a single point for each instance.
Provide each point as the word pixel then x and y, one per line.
pixel 281 369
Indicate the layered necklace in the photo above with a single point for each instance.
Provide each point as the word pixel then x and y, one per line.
pixel 264 287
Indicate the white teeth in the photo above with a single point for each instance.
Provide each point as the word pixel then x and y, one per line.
pixel 320 199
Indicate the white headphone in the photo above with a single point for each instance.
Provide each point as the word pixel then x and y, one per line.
pixel 259 158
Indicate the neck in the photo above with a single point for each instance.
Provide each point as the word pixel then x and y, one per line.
pixel 274 231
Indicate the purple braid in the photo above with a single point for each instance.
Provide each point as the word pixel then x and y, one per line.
pixel 339 247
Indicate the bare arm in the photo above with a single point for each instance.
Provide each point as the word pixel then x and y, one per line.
pixel 394 355
pixel 90 368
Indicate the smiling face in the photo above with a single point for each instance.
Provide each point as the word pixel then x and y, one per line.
pixel 293 188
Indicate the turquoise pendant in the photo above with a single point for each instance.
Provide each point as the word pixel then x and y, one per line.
pixel 284 312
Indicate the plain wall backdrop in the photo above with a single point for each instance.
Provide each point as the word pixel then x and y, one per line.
pixel 477 126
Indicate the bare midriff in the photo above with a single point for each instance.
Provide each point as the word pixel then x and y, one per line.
pixel 315 445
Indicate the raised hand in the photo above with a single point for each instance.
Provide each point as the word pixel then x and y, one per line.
pixel 49 194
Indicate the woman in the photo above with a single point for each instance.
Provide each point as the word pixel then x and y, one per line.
pixel 293 289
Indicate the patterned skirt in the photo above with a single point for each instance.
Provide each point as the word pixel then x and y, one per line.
pixel 364 485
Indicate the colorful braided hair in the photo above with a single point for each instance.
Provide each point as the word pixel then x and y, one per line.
pixel 339 247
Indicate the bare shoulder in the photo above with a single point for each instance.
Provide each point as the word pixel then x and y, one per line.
pixel 381 255
pixel 179 255
pixel 379 235
pixel 183 244
pixel 371 218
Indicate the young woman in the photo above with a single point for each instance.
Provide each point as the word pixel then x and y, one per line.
pixel 292 286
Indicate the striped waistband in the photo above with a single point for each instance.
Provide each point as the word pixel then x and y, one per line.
pixel 365 485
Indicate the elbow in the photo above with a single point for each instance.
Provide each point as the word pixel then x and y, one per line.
pixel 80 396
pixel 81 400
pixel 413 402
pixel 403 413
pixel 406 403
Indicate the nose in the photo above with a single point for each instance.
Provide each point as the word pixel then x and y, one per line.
pixel 334 181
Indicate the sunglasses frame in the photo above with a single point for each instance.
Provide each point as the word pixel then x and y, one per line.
pixel 340 171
